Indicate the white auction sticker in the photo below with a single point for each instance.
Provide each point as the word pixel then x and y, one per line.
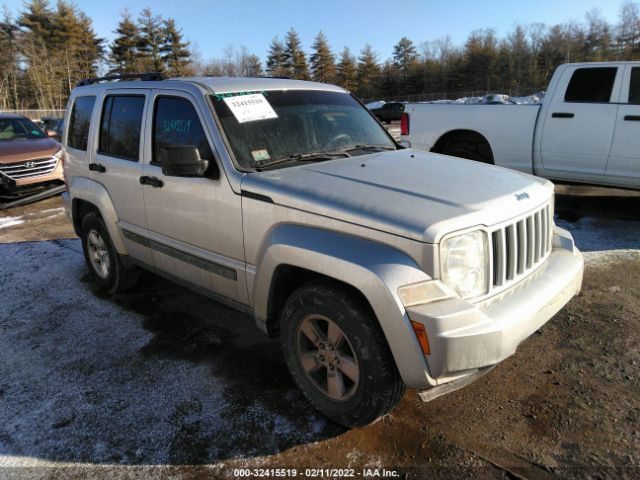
pixel 249 108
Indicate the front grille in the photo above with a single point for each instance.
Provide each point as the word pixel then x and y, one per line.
pixel 29 168
pixel 519 247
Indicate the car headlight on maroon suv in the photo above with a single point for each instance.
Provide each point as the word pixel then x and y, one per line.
pixel 464 261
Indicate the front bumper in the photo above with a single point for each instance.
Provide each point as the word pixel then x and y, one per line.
pixel 465 338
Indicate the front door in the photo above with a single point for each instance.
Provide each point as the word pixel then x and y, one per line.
pixel 195 223
pixel 624 160
pixel 579 123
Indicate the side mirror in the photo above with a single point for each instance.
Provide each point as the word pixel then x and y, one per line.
pixel 185 161
pixel 51 133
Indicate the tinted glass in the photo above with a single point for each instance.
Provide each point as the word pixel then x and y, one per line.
pixel 120 126
pixel 18 129
pixel 176 123
pixel 79 122
pixel 306 121
pixel 634 86
pixel 591 85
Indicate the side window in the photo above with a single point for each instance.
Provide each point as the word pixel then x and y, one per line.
pixel 79 122
pixel 634 86
pixel 591 85
pixel 176 123
pixel 120 126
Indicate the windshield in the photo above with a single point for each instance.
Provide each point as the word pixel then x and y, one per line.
pixel 18 129
pixel 269 127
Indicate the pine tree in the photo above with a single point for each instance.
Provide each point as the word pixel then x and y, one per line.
pixel 151 36
pixel 322 60
pixel 10 73
pixel 368 71
pixel 405 58
pixel 175 52
pixel 124 49
pixel 295 61
pixel 276 59
pixel 59 47
pixel 347 70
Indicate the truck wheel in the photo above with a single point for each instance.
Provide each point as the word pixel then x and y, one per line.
pixel 106 266
pixel 477 151
pixel 338 355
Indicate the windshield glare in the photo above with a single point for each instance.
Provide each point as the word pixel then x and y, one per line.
pixel 18 129
pixel 303 121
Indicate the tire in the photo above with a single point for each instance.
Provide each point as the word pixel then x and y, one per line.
pixel 105 264
pixel 469 150
pixel 347 371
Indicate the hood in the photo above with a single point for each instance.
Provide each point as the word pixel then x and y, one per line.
pixel 12 151
pixel 411 193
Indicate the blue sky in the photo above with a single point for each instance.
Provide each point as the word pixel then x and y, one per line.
pixel 215 24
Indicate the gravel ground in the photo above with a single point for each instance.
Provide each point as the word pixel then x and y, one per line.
pixel 164 383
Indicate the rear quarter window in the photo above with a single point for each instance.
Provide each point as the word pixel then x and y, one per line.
pixel 591 85
pixel 80 122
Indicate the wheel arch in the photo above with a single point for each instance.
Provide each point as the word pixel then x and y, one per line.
pixel 88 195
pixel 464 135
pixel 372 272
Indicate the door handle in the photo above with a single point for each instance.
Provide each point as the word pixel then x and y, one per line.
pixel 562 115
pixel 96 167
pixel 632 118
pixel 153 181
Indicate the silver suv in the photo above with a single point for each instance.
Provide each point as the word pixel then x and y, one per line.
pixel 379 267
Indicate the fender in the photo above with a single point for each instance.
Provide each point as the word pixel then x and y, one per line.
pixel 82 188
pixel 376 270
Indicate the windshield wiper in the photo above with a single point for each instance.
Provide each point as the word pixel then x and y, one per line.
pixel 367 146
pixel 303 157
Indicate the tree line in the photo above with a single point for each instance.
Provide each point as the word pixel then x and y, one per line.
pixel 46 50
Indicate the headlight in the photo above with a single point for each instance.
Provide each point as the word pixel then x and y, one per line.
pixel 58 154
pixel 464 259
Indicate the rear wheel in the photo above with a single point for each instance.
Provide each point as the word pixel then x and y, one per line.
pixel 105 264
pixel 338 355
pixel 468 148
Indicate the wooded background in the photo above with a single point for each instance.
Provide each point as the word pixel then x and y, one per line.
pixel 47 48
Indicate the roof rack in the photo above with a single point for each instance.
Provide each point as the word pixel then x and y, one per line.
pixel 145 77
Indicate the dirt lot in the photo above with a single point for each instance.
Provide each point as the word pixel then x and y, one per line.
pixel 164 383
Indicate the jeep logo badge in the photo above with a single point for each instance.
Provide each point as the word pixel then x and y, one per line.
pixel 522 196
pixel 29 164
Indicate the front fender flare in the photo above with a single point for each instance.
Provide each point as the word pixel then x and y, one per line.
pixel 374 269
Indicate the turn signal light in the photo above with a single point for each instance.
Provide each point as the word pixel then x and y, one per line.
pixel 421 335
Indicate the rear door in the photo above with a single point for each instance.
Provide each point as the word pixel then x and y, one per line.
pixel 579 123
pixel 195 223
pixel 624 160
pixel 116 163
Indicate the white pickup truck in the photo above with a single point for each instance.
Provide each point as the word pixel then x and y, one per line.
pixel 587 129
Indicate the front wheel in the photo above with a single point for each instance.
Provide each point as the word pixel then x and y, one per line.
pixel 338 355
pixel 105 265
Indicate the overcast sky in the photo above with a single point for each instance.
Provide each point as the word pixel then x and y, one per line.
pixel 215 24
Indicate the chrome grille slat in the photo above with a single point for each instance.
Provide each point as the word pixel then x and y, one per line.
pixel 512 251
pixel 522 246
pixel 19 170
pixel 538 237
pixel 519 247
pixel 530 241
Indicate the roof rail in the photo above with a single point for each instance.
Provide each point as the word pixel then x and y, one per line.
pixel 145 77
